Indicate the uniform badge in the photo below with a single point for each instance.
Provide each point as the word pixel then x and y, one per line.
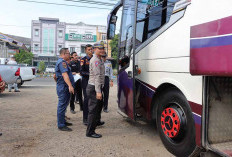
pixel 64 65
pixel 82 62
pixel 97 63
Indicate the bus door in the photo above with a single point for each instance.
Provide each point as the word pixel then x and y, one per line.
pixel 125 57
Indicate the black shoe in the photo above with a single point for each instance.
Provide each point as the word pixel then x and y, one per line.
pixel 94 135
pixel 105 110
pixel 65 128
pixel 17 91
pixel 73 112
pixel 85 123
pixel 68 124
pixel 100 123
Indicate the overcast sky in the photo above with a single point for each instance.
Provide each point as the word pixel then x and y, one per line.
pixel 20 14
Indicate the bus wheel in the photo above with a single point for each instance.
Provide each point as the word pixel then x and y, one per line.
pixel 175 123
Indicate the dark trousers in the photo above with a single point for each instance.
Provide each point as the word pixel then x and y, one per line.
pixel 95 107
pixel 106 90
pixel 78 92
pixel 99 109
pixel 63 97
pixel 85 80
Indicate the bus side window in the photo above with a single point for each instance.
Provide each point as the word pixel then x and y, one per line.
pixel 151 18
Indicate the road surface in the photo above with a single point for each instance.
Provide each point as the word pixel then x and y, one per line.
pixel 28 127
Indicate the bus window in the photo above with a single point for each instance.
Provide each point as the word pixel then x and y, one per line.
pixel 152 17
pixel 127 28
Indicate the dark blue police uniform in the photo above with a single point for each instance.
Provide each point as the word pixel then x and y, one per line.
pixel 84 70
pixel 62 90
pixel 75 67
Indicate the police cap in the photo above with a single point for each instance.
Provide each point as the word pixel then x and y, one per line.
pixel 99 44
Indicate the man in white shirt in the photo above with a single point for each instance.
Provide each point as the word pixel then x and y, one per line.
pixel 12 62
pixel 108 81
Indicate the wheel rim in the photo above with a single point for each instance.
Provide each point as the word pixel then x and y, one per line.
pixel 173 122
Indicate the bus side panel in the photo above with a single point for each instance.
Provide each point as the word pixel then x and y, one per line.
pixel 211 48
pixel 197 112
pixel 125 94
pixel 144 95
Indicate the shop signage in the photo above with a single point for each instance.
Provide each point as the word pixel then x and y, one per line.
pixel 81 37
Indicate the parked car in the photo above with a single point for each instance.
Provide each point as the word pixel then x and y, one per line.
pixel 3 60
pixel 10 73
pixel 2 85
pixel 50 69
pixel 26 73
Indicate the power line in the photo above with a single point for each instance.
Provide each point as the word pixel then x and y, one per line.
pixel 92 2
pixel 13 25
pixel 61 4
pixel 30 26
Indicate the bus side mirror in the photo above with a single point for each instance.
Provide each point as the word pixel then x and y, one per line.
pixel 111 27
pixel 112 31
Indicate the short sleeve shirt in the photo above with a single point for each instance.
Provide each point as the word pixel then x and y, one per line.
pixel 84 66
pixel 62 67
pixel 75 66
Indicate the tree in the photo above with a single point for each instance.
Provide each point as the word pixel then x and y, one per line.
pixel 114 47
pixel 24 57
pixel 41 66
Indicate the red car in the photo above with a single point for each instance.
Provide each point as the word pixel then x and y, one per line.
pixel 2 85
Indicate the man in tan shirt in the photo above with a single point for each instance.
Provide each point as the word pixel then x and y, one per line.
pixel 94 90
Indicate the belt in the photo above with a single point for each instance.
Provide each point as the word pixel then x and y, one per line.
pixel 94 85
pixel 85 76
pixel 91 84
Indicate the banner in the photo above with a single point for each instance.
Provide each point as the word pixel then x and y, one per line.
pixel 10 40
pixel 81 37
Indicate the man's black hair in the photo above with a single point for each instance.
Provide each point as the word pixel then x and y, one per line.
pixel 63 50
pixel 88 45
pixel 73 53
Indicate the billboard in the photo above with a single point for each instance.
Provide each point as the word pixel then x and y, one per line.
pixel 81 37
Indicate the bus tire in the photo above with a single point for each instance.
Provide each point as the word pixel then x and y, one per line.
pixel 175 123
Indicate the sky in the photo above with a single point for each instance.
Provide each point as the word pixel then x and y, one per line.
pixel 20 14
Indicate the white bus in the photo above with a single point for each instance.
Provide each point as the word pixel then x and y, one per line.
pixel 175 68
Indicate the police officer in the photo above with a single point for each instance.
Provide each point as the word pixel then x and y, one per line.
pixel 94 91
pixel 108 81
pixel 85 78
pixel 64 87
pixel 75 68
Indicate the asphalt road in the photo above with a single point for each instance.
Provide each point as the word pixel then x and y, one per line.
pixel 40 82
pixel 28 127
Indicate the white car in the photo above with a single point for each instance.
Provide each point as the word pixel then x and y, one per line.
pixel 10 73
pixel 27 73
pixel 50 69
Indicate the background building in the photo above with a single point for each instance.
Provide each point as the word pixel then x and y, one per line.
pixel 10 45
pixel 24 40
pixel 78 35
pixel 48 37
